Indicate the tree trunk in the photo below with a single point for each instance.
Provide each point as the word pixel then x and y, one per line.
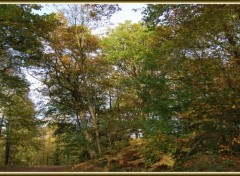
pixel 1 125
pixel 7 153
pixel 78 121
pixel 80 38
pixel 8 146
pixel 84 126
pixel 110 142
pixel 92 111
pixel 93 116
pixel 87 135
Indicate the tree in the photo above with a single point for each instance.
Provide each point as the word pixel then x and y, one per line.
pixel 23 32
pixel 20 128
pixel 22 37
pixel 197 51
pixel 70 74
pixel 125 48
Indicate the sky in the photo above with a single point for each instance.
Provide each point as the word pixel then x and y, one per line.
pixel 125 14
pixel 119 17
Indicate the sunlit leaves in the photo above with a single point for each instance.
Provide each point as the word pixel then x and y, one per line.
pixel 195 55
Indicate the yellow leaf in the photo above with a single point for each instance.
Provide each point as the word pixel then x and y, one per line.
pixel 166 160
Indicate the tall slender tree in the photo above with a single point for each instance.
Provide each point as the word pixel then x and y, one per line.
pixel 70 64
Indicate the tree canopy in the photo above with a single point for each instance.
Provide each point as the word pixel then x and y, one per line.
pixel 146 96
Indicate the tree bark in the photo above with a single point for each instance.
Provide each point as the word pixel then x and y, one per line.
pixel 1 125
pixel 93 115
pixel 8 145
pixel 7 152
pixel 87 135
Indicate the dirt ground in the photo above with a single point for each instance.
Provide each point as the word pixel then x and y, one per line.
pixel 37 169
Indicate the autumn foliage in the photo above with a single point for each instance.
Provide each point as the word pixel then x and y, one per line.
pixel 147 96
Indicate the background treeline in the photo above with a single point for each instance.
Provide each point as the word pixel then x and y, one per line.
pixel 143 97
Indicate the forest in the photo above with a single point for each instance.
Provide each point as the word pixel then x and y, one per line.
pixel 160 95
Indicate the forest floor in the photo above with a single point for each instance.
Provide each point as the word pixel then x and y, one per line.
pixel 202 162
pixel 195 163
pixel 199 162
pixel 37 169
